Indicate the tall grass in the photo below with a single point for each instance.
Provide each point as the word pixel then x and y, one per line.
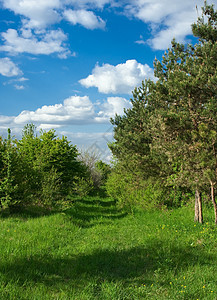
pixel 94 251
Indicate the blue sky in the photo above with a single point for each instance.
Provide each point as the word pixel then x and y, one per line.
pixel 72 64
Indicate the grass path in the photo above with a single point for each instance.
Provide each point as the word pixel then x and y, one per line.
pixel 93 251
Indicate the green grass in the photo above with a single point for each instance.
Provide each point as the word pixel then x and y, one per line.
pixel 94 251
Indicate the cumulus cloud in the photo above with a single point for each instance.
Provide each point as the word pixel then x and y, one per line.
pixel 112 106
pixel 94 142
pixel 41 13
pixel 85 18
pixel 167 18
pixel 6 120
pixel 42 43
pixel 178 26
pixel 48 126
pixel 121 78
pixel 8 68
pixel 37 13
pixel 74 110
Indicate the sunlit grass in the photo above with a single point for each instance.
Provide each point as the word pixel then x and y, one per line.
pixel 94 251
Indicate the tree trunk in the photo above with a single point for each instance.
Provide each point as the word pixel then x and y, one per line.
pixel 196 209
pixel 213 201
pixel 198 216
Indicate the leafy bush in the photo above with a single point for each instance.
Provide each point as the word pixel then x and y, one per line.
pixel 38 169
pixel 131 191
pixel 82 186
pixel 50 193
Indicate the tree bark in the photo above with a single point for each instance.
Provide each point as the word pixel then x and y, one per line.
pixel 196 209
pixel 213 201
pixel 198 216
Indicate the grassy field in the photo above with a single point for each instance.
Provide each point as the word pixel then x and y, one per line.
pixel 94 251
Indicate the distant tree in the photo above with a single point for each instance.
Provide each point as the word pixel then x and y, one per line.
pixel 89 160
pixel 104 169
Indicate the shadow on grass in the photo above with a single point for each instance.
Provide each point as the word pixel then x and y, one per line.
pixel 27 212
pixel 133 266
pixel 83 212
pixel 90 211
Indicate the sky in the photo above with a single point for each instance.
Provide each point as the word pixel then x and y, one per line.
pixel 71 65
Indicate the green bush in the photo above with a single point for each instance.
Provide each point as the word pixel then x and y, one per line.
pixel 50 193
pixel 82 186
pixel 131 191
pixel 39 169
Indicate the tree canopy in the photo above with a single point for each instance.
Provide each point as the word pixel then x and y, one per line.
pixel 170 133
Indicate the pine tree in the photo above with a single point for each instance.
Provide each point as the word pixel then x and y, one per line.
pixel 185 99
pixel 175 118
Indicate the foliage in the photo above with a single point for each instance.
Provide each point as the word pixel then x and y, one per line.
pixel 131 191
pixel 104 169
pixel 37 169
pixel 82 186
pixel 50 193
pixel 89 160
pixel 169 136
pixel 8 184
pixel 96 170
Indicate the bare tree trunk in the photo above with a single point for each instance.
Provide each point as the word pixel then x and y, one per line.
pixel 200 209
pixel 213 201
pixel 198 216
pixel 196 208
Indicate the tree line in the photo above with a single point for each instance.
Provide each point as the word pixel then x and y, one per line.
pixel 164 149
pixel 166 143
pixel 45 170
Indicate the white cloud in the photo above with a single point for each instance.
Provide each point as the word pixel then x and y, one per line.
pixel 177 26
pixel 22 79
pixel 48 126
pixel 8 68
pixel 41 43
pixel 94 142
pixel 17 82
pixel 85 18
pixel 19 87
pixel 74 110
pixel 113 105
pixel 42 13
pixel 89 3
pixel 167 18
pixel 122 78
pixel 37 13
pixel 140 41
pixel 6 120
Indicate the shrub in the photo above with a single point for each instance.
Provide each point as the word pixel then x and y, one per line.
pixel 82 186
pixel 131 191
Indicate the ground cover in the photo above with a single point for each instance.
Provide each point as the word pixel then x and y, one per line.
pixel 95 251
